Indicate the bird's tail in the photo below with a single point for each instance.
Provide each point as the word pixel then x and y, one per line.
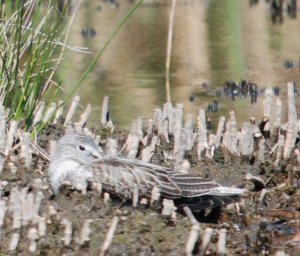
pixel 205 201
pixel 222 191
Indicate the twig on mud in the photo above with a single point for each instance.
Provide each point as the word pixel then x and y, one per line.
pixel 220 129
pixel 261 150
pixel 40 151
pixel 10 137
pixel 158 121
pixel 27 202
pixel 148 151
pixel 268 145
pixel 191 137
pixel 105 112
pixel 84 116
pixel 15 206
pixel 85 232
pixel 190 215
pixel 297 154
pixel 206 240
pixel 39 112
pixel 168 210
pixel 59 113
pixel 149 132
pixel 178 127
pixel 25 149
pixel 106 198
pixel 247 139
pixel 292 122
pixel 134 138
pixel 109 236
pixel 42 228
pixel 221 247
pixel 32 236
pixel 111 147
pixel 194 234
pixel 14 241
pixel 167 120
pixel 202 133
pixel 267 102
pixel 155 195
pixel 230 136
pixel 135 197
pixel 68 232
pixel 36 207
pixel 262 197
pixel 72 109
pixel 278 113
pixel 49 113
pixel 279 149
pixel 52 214
pixel 273 149
pixel 269 180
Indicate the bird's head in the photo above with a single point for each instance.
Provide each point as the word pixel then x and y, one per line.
pixel 78 147
pixel 72 153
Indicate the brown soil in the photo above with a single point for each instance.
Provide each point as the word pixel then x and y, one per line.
pixel 257 229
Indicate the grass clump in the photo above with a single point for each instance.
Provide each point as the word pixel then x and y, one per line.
pixel 33 37
pixel 32 40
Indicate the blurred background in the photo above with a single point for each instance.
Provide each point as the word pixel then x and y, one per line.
pixel 216 45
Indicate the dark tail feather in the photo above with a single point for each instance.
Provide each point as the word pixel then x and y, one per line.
pixel 206 208
pixel 204 202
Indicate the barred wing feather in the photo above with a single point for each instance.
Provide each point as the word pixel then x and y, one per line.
pixel 122 176
pixel 113 173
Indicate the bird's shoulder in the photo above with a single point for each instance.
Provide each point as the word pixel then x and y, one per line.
pixel 122 163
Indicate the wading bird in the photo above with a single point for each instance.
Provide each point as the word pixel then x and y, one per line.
pixel 78 159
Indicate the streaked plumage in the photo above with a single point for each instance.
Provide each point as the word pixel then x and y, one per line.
pixel 121 176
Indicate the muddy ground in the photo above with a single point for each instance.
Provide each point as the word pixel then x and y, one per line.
pixel 258 228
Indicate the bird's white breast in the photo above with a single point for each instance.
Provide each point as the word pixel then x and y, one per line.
pixel 68 166
pixel 69 170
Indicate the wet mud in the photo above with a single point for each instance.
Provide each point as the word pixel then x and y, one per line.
pixel 259 226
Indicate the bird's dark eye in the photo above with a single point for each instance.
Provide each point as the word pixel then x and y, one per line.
pixel 81 148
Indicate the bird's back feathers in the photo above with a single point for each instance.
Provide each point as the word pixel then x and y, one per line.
pixel 121 176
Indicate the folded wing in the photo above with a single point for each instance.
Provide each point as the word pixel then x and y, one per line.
pixel 122 176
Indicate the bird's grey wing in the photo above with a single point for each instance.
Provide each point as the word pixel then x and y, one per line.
pixel 189 185
pixel 194 186
pixel 199 193
pixel 122 176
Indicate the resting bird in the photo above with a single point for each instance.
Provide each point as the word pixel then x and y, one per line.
pixel 78 159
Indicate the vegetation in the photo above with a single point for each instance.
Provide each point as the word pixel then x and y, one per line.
pixel 32 40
